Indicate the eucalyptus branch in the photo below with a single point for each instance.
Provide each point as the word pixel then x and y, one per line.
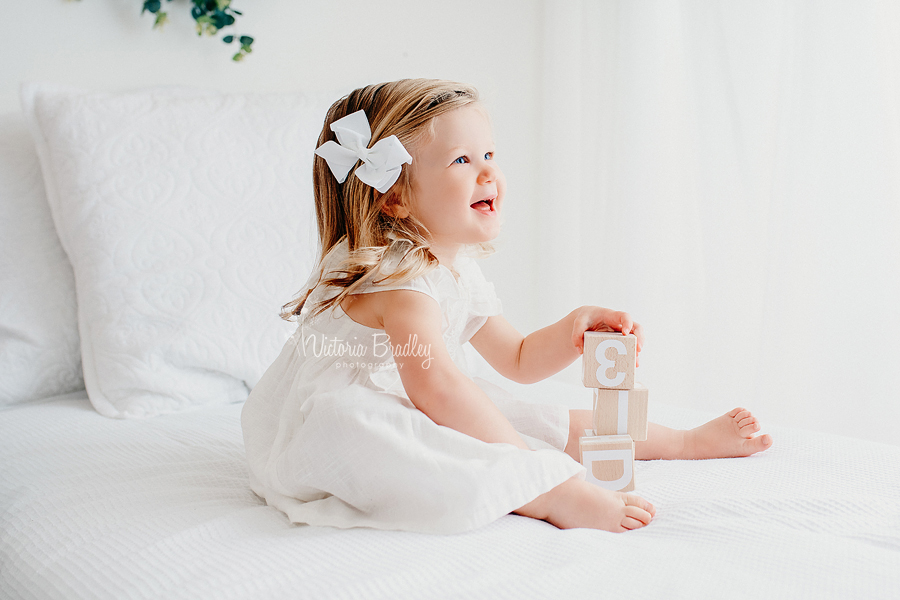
pixel 211 16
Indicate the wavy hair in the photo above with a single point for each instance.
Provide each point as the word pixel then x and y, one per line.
pixel 354 211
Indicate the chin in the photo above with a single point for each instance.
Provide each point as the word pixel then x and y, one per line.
pixel 487 238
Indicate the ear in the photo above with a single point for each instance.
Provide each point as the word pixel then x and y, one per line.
pixel 394 207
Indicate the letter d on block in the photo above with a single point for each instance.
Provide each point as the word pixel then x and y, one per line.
pixel 609 460
pixel 614 457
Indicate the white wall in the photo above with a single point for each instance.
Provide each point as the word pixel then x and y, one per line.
pixel 737 164
pixel 336 45
pixel 520 54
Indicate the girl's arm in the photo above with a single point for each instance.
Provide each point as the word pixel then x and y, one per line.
pixel 432 381
pixel 527 359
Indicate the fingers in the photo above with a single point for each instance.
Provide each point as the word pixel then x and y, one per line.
pixel 638 331
pixel 593 318
pixel 581 324
pixel 626 324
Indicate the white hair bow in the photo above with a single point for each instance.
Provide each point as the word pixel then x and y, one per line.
pixel 381 163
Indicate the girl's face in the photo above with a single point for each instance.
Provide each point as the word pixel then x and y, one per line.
pixel 457 188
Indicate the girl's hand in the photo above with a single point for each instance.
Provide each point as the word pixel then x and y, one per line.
pixel 595 318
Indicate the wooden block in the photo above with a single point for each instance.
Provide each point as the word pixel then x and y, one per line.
pixel 609 460
pixel 608 360
pixel 621 412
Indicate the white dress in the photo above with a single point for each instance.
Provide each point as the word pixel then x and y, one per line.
pixel 332 438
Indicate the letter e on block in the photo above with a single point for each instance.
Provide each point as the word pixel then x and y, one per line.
pixel 608 360
pixel 609 460
pixel 621 412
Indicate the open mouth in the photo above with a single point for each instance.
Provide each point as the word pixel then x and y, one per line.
pixel 484 206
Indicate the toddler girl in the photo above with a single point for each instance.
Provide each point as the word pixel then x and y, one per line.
pixel 368 417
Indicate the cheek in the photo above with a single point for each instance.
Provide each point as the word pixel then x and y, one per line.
pixel 428 210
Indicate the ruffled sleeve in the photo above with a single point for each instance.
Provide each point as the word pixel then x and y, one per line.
pixel 425 284
pixel 375 282
pixel 482 299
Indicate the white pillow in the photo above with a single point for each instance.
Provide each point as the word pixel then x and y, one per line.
pixel 39 355
pixel 187 217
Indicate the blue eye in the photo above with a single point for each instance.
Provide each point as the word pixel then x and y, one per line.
pixel 461 160
pixel 488 155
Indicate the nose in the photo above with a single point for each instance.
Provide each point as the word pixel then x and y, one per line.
pixel 489 172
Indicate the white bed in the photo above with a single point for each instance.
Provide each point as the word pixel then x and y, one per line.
pixel 156 503
pixel 160 508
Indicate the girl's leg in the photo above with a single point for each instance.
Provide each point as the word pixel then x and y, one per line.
pixel 728 436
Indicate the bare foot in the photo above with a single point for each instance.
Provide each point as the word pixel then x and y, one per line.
pixel 729 436
pixel 577 503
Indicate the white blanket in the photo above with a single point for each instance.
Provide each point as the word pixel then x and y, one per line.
pixel 92 507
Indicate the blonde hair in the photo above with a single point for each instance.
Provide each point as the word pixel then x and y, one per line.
pixel 354 211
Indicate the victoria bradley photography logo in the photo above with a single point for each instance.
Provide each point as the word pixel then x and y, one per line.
pixel 319 345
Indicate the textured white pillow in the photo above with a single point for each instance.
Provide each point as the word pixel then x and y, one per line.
pixel 187 217
pixel 39 355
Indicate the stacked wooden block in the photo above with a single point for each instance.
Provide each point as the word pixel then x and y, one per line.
pixel 620 410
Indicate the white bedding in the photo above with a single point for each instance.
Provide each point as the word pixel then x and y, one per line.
pixel 92 507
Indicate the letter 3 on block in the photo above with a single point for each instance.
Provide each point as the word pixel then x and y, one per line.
pixel 609 360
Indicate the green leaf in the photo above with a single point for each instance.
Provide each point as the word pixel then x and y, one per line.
pixel 219 19
pixel 246 40
pixel 228 39
pixel 151 5
pixel 238 57
pixel 222 4
pixel 161 19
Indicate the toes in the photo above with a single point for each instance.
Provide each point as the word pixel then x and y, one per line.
pixel 743 422
pixel 749 430
pixel 735 412
pixel 748 426
pixel 757 444
pixel 637 502
pixel 743 416
pixel 630 523
pixel 638 514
